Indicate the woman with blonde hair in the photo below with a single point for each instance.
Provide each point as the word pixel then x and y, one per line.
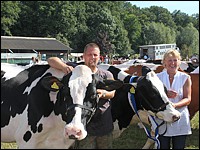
pixel 178 85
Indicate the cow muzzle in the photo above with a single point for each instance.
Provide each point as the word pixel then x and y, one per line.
pixel 175 118
pixel 169 116
pixel 75 131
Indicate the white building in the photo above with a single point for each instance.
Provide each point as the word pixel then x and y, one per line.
pixel 155 52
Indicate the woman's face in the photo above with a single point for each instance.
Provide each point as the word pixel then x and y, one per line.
pixel 172 63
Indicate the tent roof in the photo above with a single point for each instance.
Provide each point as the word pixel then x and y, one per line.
pixel 32 43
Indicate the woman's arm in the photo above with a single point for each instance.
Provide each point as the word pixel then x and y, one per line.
pixel 187 90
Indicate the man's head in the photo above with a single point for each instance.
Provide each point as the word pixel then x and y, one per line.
pixel 91 55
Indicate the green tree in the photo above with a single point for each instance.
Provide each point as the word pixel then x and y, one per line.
pixel 9 15
pixel 188 40
pixel 162 15
pixel 180 18
pixel 158 33
pixel 76 23
pixel 100 19
pixel 195 21
pixel 46 18
pixel 133 26
pixel 79 38
pixel 159 15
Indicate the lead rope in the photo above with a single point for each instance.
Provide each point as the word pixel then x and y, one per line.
pixel 156 130
pixel 132 101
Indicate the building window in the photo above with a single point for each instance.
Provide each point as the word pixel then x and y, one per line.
pixel 162 47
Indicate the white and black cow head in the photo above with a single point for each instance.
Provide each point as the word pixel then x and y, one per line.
pixel 78 97
pixel 149 94
pixel 42 99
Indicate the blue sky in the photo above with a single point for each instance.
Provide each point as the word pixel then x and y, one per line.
pixel 188 7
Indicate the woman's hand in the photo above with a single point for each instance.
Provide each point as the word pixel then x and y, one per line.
pixel 171 94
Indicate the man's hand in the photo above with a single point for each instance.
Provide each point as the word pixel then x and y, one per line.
pixel 57 63
pixel 67 69
pixel 101 93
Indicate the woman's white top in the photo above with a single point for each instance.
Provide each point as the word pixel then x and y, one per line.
pixel 182 126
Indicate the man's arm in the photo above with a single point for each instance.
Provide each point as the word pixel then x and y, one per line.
pixel 57 63
pixel 105 94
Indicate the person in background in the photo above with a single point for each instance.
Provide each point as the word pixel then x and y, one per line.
pixel 178 85
pixel 36 60
pixel 146 57
pixel 106 59
pixel 32 61
pixel 100 127
pixel 39 57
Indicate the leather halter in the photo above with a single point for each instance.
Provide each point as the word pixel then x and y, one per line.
pixel 152 108
pixel 92 109
pixel 148 103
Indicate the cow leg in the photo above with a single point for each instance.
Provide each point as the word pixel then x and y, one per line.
pixel 143 119
pixel 117 132
pixel 149 143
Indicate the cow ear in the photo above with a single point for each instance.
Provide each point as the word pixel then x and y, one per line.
pixel 51 83
pixel 127 87
pixel 109 85
pixel 145 70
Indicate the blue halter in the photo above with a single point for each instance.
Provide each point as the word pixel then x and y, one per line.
pixel 152 119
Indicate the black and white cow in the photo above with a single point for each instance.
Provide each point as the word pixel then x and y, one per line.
pixel 149 92
pixel 149 96
pixel 43 108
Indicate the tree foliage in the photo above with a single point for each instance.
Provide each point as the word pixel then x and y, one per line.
pixel 158 33
pixel 124 26
pixel 9 15
pixel 188 40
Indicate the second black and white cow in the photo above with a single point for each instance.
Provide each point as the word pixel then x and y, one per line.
pixel 43 108
pixel 145 93
pixel 149 93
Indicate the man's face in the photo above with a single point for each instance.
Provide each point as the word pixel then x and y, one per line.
pixel 91 56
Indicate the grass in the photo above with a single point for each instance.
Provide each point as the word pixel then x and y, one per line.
pixel 134 138
pixel 193 140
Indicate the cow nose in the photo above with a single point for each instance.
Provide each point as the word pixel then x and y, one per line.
pixel 175 118
pixel 72 137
